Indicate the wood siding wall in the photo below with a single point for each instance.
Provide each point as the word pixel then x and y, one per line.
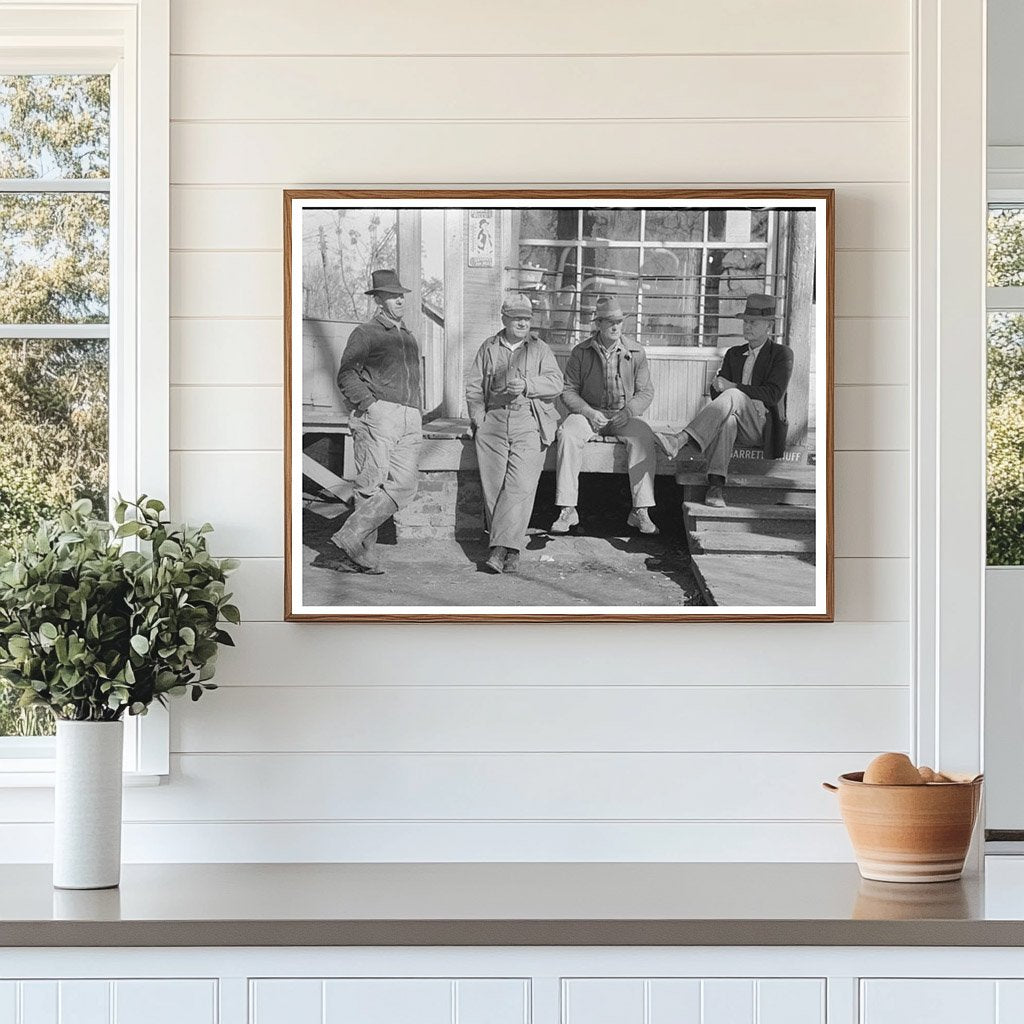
pixel 681 741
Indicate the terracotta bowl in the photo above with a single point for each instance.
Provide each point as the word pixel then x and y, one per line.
pixel 909 833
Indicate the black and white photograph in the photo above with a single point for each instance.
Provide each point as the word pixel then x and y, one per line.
pixel 517 406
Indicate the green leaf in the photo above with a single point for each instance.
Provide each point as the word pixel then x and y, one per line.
pixel 170 549
pixel 49 631
pixel 140 644
pixel 231 613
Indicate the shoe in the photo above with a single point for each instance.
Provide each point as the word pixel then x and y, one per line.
pixel 715 496
pixel 357 537
pixel 512 561
pixel 567 519
pixel 640 519
pixel 339 561
pixel 496 562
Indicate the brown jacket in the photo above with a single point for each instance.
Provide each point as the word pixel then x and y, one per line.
pixel 584 378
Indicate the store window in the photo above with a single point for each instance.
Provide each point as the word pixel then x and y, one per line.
pixel 680 275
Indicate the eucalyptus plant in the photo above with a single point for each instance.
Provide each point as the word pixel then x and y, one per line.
pixel 92 628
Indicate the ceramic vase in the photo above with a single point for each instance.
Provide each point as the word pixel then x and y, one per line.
pixel 87 805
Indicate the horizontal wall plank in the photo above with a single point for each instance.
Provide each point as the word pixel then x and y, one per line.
pixel 872 590
pixel 239 418
pixel 452 842
pixel 872 350
pixel 492 719
pixel 873 504
pixel 872 418
pixel 652 654
pixel 729 26
pixel 235 284
pixel 873 283
pixel 868 216
pixel 239 492
pixel 227 352
pixel 575 152
pixel 408 87
pixel 867 589
pixel 416 787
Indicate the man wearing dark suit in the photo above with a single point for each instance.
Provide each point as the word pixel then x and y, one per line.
pixel 749 403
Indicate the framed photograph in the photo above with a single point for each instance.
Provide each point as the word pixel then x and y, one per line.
pixel 559 405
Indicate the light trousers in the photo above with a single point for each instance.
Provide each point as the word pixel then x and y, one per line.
pixel 641 458
pixel 731 417
pixel 386 441
pixel 510 457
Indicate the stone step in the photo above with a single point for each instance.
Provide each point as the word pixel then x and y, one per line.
pixel 724 542
pixel 769 520
pixel 755 581
pixel 755 496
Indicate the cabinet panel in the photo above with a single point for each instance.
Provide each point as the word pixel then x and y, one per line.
pixel 8 1002
pixel 165 1002
pixel 727 1001
pixel 1010 1002
pixel 603 1001
pixel 388 1001
pixel 492 1002
pixel 38 1002
pixel 280 1001
pixel 674 1000
pixel 790 1001
pixel 928 1001
pixel 84 1002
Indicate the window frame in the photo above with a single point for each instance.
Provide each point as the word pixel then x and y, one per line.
pixel 130 41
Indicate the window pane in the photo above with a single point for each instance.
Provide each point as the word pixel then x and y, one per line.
pixel 549 224
pixel 1005 247
pixel 53 449
pixel 54 126
pixel 612 224
pixel 671 293
pixel 737 225
pixel 340 249
pixel 674 226
pixel 732 275
pixel 610 272
pixel 54 257
pixel 1005 483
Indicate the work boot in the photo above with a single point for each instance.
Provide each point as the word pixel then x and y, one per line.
pixel 496 562
pixel 677 446
pixel 640 519
pixel 567 519
pixel 358 537
pixel 511 561
pixel 715 496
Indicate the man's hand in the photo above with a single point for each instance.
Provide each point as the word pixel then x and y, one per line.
pixel 597 419
pixel 620 419
pixel 515 386
pixel 720 384
pixel 475 425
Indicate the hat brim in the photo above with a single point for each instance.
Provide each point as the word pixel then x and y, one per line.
pixel 387 291
pixel 618 317
pixel 757 316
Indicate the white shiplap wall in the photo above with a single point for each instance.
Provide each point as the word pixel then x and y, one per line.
pixel 688 741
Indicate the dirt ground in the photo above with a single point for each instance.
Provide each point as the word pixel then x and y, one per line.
pixel 601 564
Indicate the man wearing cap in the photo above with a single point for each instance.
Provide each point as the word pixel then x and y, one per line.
pixel 748 404
pixel 510 391
pixel 607 388
pixel 380 378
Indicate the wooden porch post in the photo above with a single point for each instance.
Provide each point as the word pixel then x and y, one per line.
pixel 410 271
pixel 454 317
pixel 799 296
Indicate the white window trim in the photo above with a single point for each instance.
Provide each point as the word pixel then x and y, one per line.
pixel 131 41
pixel 949 321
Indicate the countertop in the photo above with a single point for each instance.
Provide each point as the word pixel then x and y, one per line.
pixel 558 904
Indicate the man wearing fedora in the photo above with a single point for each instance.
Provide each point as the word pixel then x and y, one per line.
pixel 510 392
pixel 380 379
pixel 748 404
pixel 607 388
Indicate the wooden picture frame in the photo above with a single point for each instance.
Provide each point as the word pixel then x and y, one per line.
pixel 680 264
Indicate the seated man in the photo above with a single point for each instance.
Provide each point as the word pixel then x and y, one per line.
pixel 749 403
pixel 607 387
pixel 510 392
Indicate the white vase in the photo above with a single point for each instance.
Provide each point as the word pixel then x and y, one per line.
pixel 87 805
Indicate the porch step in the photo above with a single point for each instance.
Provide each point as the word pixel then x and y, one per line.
pixel 724 542
pixel 772 520
pixel 765 581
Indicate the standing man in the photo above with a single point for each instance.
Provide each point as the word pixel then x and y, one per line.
pixel 749 401
pixel 510 391
pixel 380 378
pixel 607 388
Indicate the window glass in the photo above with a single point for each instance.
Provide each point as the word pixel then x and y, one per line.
pixel 54 126
pixel 1005 247
pixel 54 274
pixel 549 224
pixel 1005 478
pixel 54 257
pixel 612 224
pixel 674 226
